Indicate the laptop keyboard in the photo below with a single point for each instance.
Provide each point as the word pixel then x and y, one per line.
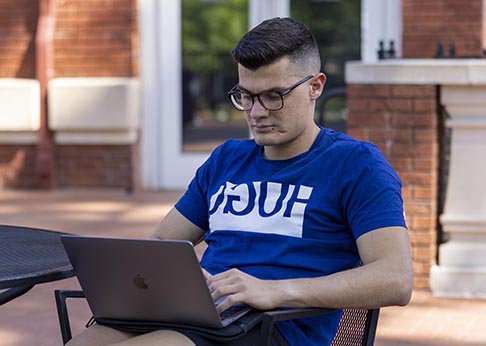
pixel 232 310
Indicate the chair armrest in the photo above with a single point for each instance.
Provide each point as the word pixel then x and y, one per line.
pixel 270 317
pixel 62 312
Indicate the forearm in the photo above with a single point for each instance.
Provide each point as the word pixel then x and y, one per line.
pixel 370 286
pixel 385 278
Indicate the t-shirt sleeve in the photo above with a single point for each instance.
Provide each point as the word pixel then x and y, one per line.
pixel 194 203
pixel 371 192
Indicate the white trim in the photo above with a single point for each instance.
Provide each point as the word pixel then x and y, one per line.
pixel 418 71
pixel 380 20
pixel 97 137
pixel 177 168
pixel 261 10
pixel 149 156
pixel 19 137
pixel 164 165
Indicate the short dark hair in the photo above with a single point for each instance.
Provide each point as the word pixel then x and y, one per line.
pixel 275 38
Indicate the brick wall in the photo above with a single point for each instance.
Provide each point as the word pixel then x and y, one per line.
pixel 92 38
pixel 402 121
pixel 18 25
pixel 93 166
pixel 95 38
pixel 17 166
pixel 426 22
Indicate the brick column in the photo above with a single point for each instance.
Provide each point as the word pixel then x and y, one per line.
pixel 402 121
pixel 426 23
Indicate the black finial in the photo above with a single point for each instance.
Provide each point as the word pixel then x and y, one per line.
pixel 392 52
pixel 381 50
pixel 439 51
pixel 452 50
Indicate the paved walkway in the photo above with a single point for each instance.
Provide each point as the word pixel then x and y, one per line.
pixel 32 320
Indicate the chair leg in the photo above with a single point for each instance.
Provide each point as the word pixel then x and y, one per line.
pixel 266 330
pixel 62 312
pixel 370 327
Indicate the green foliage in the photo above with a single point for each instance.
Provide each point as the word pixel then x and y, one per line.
pixel 337 28
pixel 210 29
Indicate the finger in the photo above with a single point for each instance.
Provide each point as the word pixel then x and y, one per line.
pixel 227 302
pixel 206 274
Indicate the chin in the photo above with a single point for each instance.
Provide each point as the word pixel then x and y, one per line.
pixel 264 140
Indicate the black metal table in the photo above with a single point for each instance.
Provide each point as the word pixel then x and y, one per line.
pixel 30 256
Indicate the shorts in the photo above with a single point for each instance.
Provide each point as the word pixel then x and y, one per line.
pixel 252 338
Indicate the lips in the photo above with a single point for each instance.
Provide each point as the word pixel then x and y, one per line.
pixel 260 127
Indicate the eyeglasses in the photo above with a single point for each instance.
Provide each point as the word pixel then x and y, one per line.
pixel 271 100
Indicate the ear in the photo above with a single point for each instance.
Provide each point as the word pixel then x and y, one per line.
pixel 317 86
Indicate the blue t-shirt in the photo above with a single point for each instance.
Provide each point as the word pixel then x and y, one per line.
pixel 295 218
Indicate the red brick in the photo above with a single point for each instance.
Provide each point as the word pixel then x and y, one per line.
pixel 17 170
pixel 358 133
pixel 425 164
pixel 425 135
pixel 414 120
pixel 420 208
pixel 94 166
pixel 427 22
pixel 419 178
pixel 425 105
pixel 367 119
pixel 417 149
pixel 424 223
pixel 415 91
pixel 357 104
pixel 421 282
pixel 402 164
pixel 424 253
pixel 381 134
pixel 403 136
pixel 422 238
pixel 368 90
pixel 399 105
pixel 426 193
pixel 421 267
pixel 92 38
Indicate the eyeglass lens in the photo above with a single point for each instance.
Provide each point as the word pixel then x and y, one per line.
pixel 268 99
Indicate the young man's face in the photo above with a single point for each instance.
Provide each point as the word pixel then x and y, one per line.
pixel 291 130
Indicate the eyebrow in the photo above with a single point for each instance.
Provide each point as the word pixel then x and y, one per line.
pixel 266 90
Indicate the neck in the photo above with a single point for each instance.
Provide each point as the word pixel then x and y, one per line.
pixel 294 148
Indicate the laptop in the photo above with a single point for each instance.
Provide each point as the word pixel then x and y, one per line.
pixel 145 280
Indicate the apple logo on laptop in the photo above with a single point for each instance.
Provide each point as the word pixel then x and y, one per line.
pixel 139 282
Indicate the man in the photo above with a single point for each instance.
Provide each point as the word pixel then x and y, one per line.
pixel 298 216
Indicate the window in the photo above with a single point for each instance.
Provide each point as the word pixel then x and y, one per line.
pixel 210 29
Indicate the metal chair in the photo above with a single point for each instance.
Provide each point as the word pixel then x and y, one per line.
pixel 356 328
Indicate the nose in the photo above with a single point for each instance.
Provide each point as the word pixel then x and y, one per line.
pixel 257 110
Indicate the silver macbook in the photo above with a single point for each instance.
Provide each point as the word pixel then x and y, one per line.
pixel 144 280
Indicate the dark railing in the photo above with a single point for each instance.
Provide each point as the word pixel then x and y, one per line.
pixel 328 94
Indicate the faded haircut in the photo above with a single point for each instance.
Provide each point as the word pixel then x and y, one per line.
pixel 277 38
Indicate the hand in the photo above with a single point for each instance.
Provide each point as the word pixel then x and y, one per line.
pixel 238 287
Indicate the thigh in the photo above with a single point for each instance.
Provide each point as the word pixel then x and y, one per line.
pixel 100 335
pixel 158 338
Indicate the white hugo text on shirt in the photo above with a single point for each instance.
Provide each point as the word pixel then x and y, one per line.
pixel 264 207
